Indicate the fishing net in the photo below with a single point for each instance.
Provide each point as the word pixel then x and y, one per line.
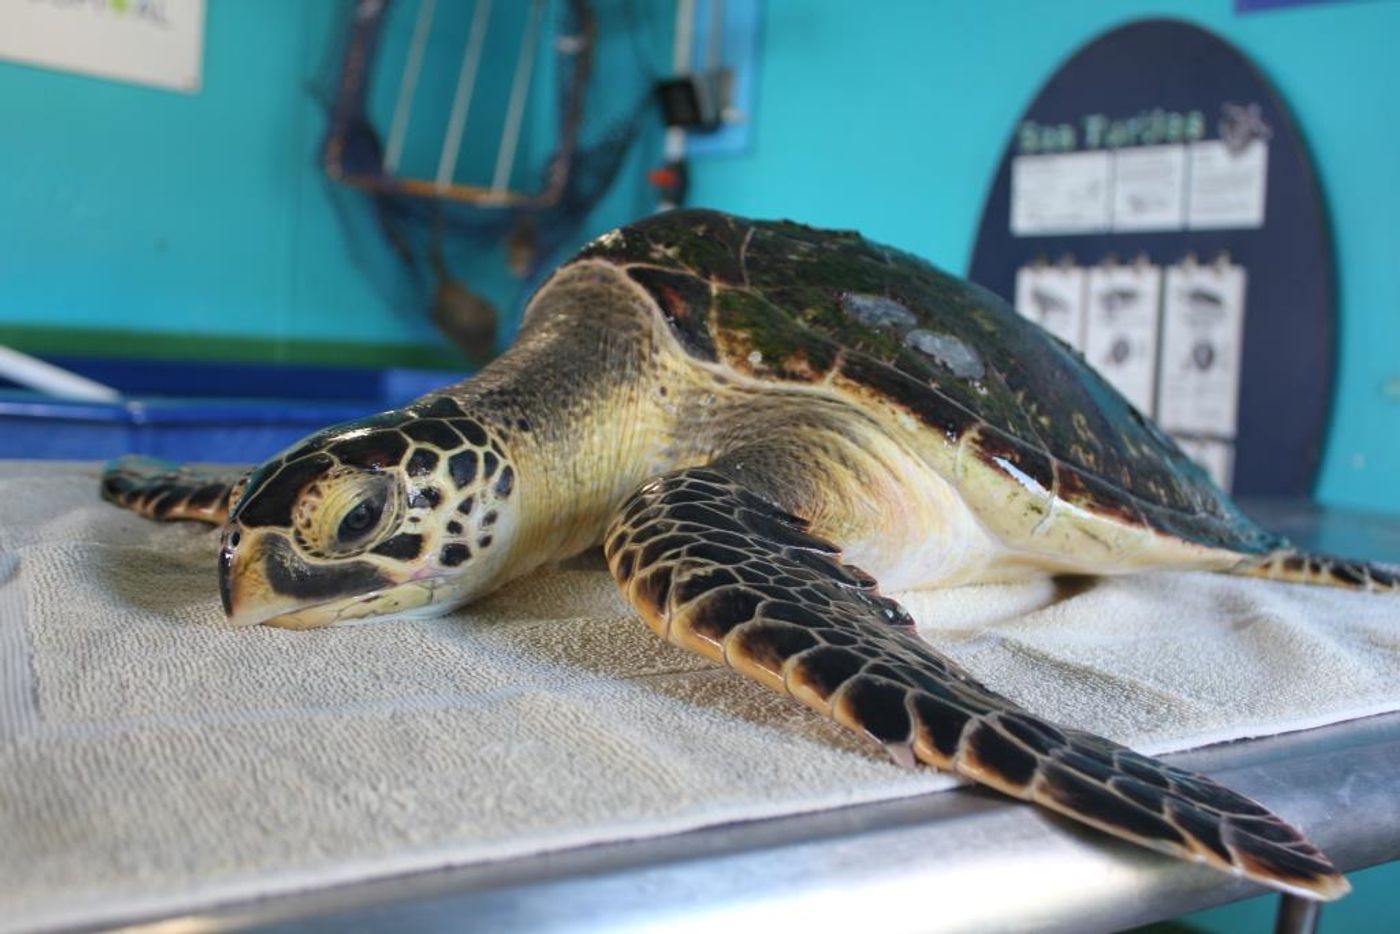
pixel 481 136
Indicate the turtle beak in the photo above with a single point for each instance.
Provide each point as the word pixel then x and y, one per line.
pixel 243 580
pixel 263 580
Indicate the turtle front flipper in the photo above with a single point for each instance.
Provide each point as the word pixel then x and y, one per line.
pixel 719 570
pixel 167 491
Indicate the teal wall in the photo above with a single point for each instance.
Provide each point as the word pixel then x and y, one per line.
pixel 128 210
pixel 890 117
pixel 140 209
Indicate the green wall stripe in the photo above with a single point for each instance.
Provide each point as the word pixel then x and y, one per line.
pixel 153 346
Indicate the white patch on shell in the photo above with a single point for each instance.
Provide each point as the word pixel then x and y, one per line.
pixel 949 351
pixel 755 358
pixel 1030 483
pixel 610 239
pixel 878 311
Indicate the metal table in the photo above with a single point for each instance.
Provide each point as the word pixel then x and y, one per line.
pixel 962 860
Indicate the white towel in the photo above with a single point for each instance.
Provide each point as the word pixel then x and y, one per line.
pixel 152 759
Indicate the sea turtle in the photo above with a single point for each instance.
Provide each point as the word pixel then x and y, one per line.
pixel 759 421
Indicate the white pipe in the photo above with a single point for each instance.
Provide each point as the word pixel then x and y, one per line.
pixel 466 81
pixel 403 106
pixel 520 87
pixel 36 374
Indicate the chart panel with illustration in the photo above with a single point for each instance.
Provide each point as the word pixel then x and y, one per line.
pixel 1156 210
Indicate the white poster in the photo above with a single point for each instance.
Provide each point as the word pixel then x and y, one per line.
pixel 1149 188
pixel 156 42
pixel 1066 193
pixel 1202 340
pixel 1228 187
pixel 1053 297
pixel 1120 339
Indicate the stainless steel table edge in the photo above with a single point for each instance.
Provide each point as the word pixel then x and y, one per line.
pixel 960 860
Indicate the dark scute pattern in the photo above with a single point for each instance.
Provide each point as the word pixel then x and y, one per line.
pixel 166 502
pixel 462 466
pixel 826 668
pixel 1139 792
pixel 1094 766
pixel 654 590
pixel 1083 796
pixel 289 575
pixel 435 432
pixel 879 707
pixel 714 615
pixel 207 495
pixel 774 601
pixel 404 547
pixel 697 584
pixel 783 297
pixel 1283 861
pixel 1264 828
pixel 1036 735
pixel 942 722
pixel 653 550
pixel 1009 760
pixel 270 502
pixel 505 483
pixel 1384 577
pixel 378 449
pixel 693 512
pixel 797 613
pixel 441 407
pixel 473 432
pixel 1351 573
pixel 422 462
pixel 454 554
pixel 1202 828
pixel 771 644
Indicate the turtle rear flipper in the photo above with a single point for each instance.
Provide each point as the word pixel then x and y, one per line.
pixel 716 569
pixel 167 491
pixel 1302 568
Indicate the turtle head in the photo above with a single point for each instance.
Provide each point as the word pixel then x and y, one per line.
pixel 409 512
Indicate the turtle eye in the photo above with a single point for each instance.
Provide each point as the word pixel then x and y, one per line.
pixel 360 521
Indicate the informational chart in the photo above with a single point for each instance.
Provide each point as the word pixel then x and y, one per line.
pixel 1156 210
pixel 152 42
